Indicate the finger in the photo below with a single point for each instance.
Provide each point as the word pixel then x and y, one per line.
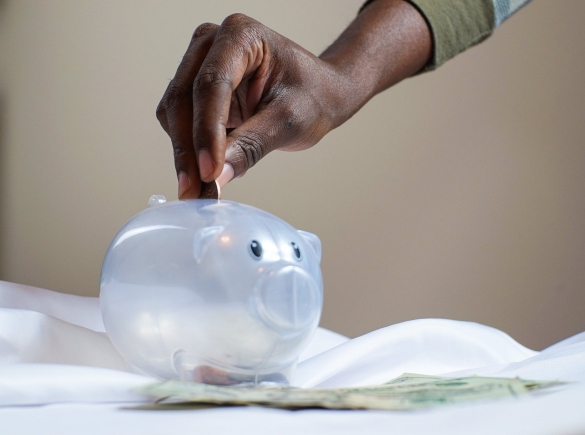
pixel 178 108
pixel 189 184
pixel 161 115
pixel 183 71
pixel 236 52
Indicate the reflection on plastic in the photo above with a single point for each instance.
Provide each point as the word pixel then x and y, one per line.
pixel 211 291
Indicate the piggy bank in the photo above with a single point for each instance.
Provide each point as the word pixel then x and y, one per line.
pixel 211 291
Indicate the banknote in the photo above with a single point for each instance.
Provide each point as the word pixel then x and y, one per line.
pixel 406 392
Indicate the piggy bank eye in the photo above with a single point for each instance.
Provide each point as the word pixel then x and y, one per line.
pixel 255 249
pixel 296 250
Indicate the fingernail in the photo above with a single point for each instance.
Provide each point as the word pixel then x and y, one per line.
pixel 184 183
pixel 205 164
pixel 226 175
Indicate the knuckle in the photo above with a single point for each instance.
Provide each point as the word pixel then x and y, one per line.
pixel 290 124
pixel 252 147
pixel 239 32
pixel 240 29
pixel 211 76
pixel 291 120
pixel 161 112
pixel 236 20
pixel 179 152
pixel 204 29
pixel 174 94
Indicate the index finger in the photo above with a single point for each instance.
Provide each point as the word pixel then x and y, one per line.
pixel 175 111
pixel 236 52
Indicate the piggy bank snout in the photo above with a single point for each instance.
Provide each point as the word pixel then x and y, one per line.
pixel 289 298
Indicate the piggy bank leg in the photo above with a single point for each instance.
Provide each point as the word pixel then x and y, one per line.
pixel 190 368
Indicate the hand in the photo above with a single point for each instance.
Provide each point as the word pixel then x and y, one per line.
pixel 242 90
pixel 245 79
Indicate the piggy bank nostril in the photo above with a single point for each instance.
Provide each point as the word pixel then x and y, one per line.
pixel 289 299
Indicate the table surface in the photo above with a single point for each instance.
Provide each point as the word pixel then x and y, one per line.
pixel 556 413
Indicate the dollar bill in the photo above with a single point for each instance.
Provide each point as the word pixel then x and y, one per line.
pixel 406 392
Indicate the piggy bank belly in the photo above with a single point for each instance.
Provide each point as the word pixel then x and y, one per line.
pixel 212 292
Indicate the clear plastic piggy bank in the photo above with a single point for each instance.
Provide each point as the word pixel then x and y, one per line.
pixel 211 291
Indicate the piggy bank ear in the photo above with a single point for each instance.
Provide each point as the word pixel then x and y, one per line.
pixel 203 240
pixel 313 242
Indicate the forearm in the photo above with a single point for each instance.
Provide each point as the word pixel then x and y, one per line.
pixel 243 90
pixel 388 42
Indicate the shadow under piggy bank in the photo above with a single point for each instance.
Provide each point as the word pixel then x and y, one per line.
pixel 211 291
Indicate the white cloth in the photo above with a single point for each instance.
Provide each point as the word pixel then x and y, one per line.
pixel 429 346
pixel 77 310
pixel 53 350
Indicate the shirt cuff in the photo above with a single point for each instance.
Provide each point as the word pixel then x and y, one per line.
pixel 455 25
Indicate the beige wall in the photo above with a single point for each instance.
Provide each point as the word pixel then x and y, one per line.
pixel 457 194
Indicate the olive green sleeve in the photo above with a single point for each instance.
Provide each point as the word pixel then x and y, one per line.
pixel 458 24
pixel 455 25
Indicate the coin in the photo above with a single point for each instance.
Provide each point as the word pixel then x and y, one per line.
pixel 210 190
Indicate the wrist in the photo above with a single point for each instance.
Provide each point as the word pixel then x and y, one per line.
pixel 346 89
pixel 389 41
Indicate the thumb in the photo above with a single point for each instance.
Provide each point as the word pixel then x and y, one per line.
pixel 264 132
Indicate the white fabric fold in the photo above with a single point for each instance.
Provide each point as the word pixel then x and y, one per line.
pixel 563 363
pixel 322 341
pixel 78 310
pixel 53 350
pixel 578 338
pixel 32 337
pixel 428 346
pixel 38 384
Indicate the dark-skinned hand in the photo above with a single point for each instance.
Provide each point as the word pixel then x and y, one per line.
pixel 243 90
